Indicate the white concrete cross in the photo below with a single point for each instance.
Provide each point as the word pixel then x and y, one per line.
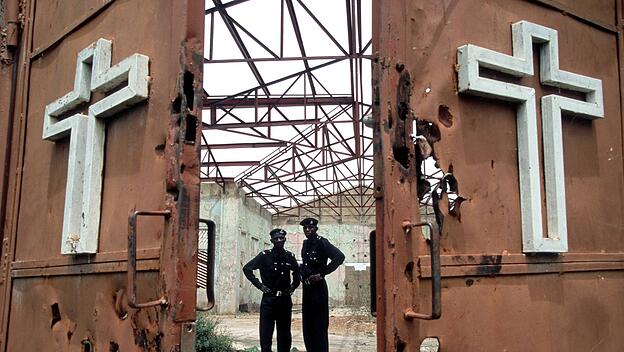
pixel 470 59
pixel 81 218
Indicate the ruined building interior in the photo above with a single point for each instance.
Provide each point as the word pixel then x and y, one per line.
pixel 287 96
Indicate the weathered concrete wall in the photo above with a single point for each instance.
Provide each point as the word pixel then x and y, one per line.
pixel 255 225
pixel 242 229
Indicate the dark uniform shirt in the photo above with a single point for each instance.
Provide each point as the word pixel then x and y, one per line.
pixel 315 253
pixel 274 269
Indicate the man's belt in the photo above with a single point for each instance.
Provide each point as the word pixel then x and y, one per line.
pixel 307 282
pixel 276 293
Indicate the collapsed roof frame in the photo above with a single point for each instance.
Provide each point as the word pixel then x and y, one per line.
pixel 319 169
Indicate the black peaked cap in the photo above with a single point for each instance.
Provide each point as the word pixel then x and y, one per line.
pixel 276 232
pixel 309 222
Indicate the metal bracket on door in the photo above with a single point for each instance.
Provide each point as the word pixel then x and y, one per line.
pixel 210 296
pixel 132 254
pixel 436 278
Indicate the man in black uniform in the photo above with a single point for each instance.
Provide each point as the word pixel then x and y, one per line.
pixel 315 310
pixel 275 266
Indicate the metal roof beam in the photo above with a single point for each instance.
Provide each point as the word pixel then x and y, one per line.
pixel 240 44
pixel 251 102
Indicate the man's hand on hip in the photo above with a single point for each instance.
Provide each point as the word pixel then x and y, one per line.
pixel 314 279
pixel 265 289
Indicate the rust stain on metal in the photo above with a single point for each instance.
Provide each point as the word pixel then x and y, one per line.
pixel 48 293
pixel 182 181
pixel 145 329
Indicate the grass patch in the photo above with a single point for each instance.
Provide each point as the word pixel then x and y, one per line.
pixel 209 337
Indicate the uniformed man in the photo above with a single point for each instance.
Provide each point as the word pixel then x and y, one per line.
pixel 276 266
pixel 315 310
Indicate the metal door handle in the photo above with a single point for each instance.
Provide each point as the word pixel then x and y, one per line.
pixel 132 230
pixel 436 277
pixel 210 296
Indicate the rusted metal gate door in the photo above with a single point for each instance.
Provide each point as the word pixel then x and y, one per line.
pixel 103 176
pixel 520 102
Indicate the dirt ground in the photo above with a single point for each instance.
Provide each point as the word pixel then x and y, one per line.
pixel 350 330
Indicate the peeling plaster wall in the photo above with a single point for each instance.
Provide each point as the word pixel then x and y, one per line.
pixel 255 225
pixel 241 231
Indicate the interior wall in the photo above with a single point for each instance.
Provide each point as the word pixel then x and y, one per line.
pixel 241 231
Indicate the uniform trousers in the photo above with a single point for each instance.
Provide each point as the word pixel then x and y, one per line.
pixel 315 315
pixel 275 311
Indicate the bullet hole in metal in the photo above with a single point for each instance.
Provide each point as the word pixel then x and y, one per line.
pixel 399 344
pixel 160 149
pixel 433 183
pixel 114 347
pixel 401 154
pixel 444 116
pixel 404 91
pixel 400 67
pixel 409 271
pixel 423 148
pixel 492 164
pixel 118 300
pixel 175 193
pixel 455 207
pixel 429 130
pixel 190 128
pixel 427 133
pixel 56 314
pixel 450 184
pixel 400 148
pixel 189 90
pixel 176 105
pixel 469 282
pixel 87 346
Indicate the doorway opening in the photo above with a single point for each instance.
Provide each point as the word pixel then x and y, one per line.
pixel 285 136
